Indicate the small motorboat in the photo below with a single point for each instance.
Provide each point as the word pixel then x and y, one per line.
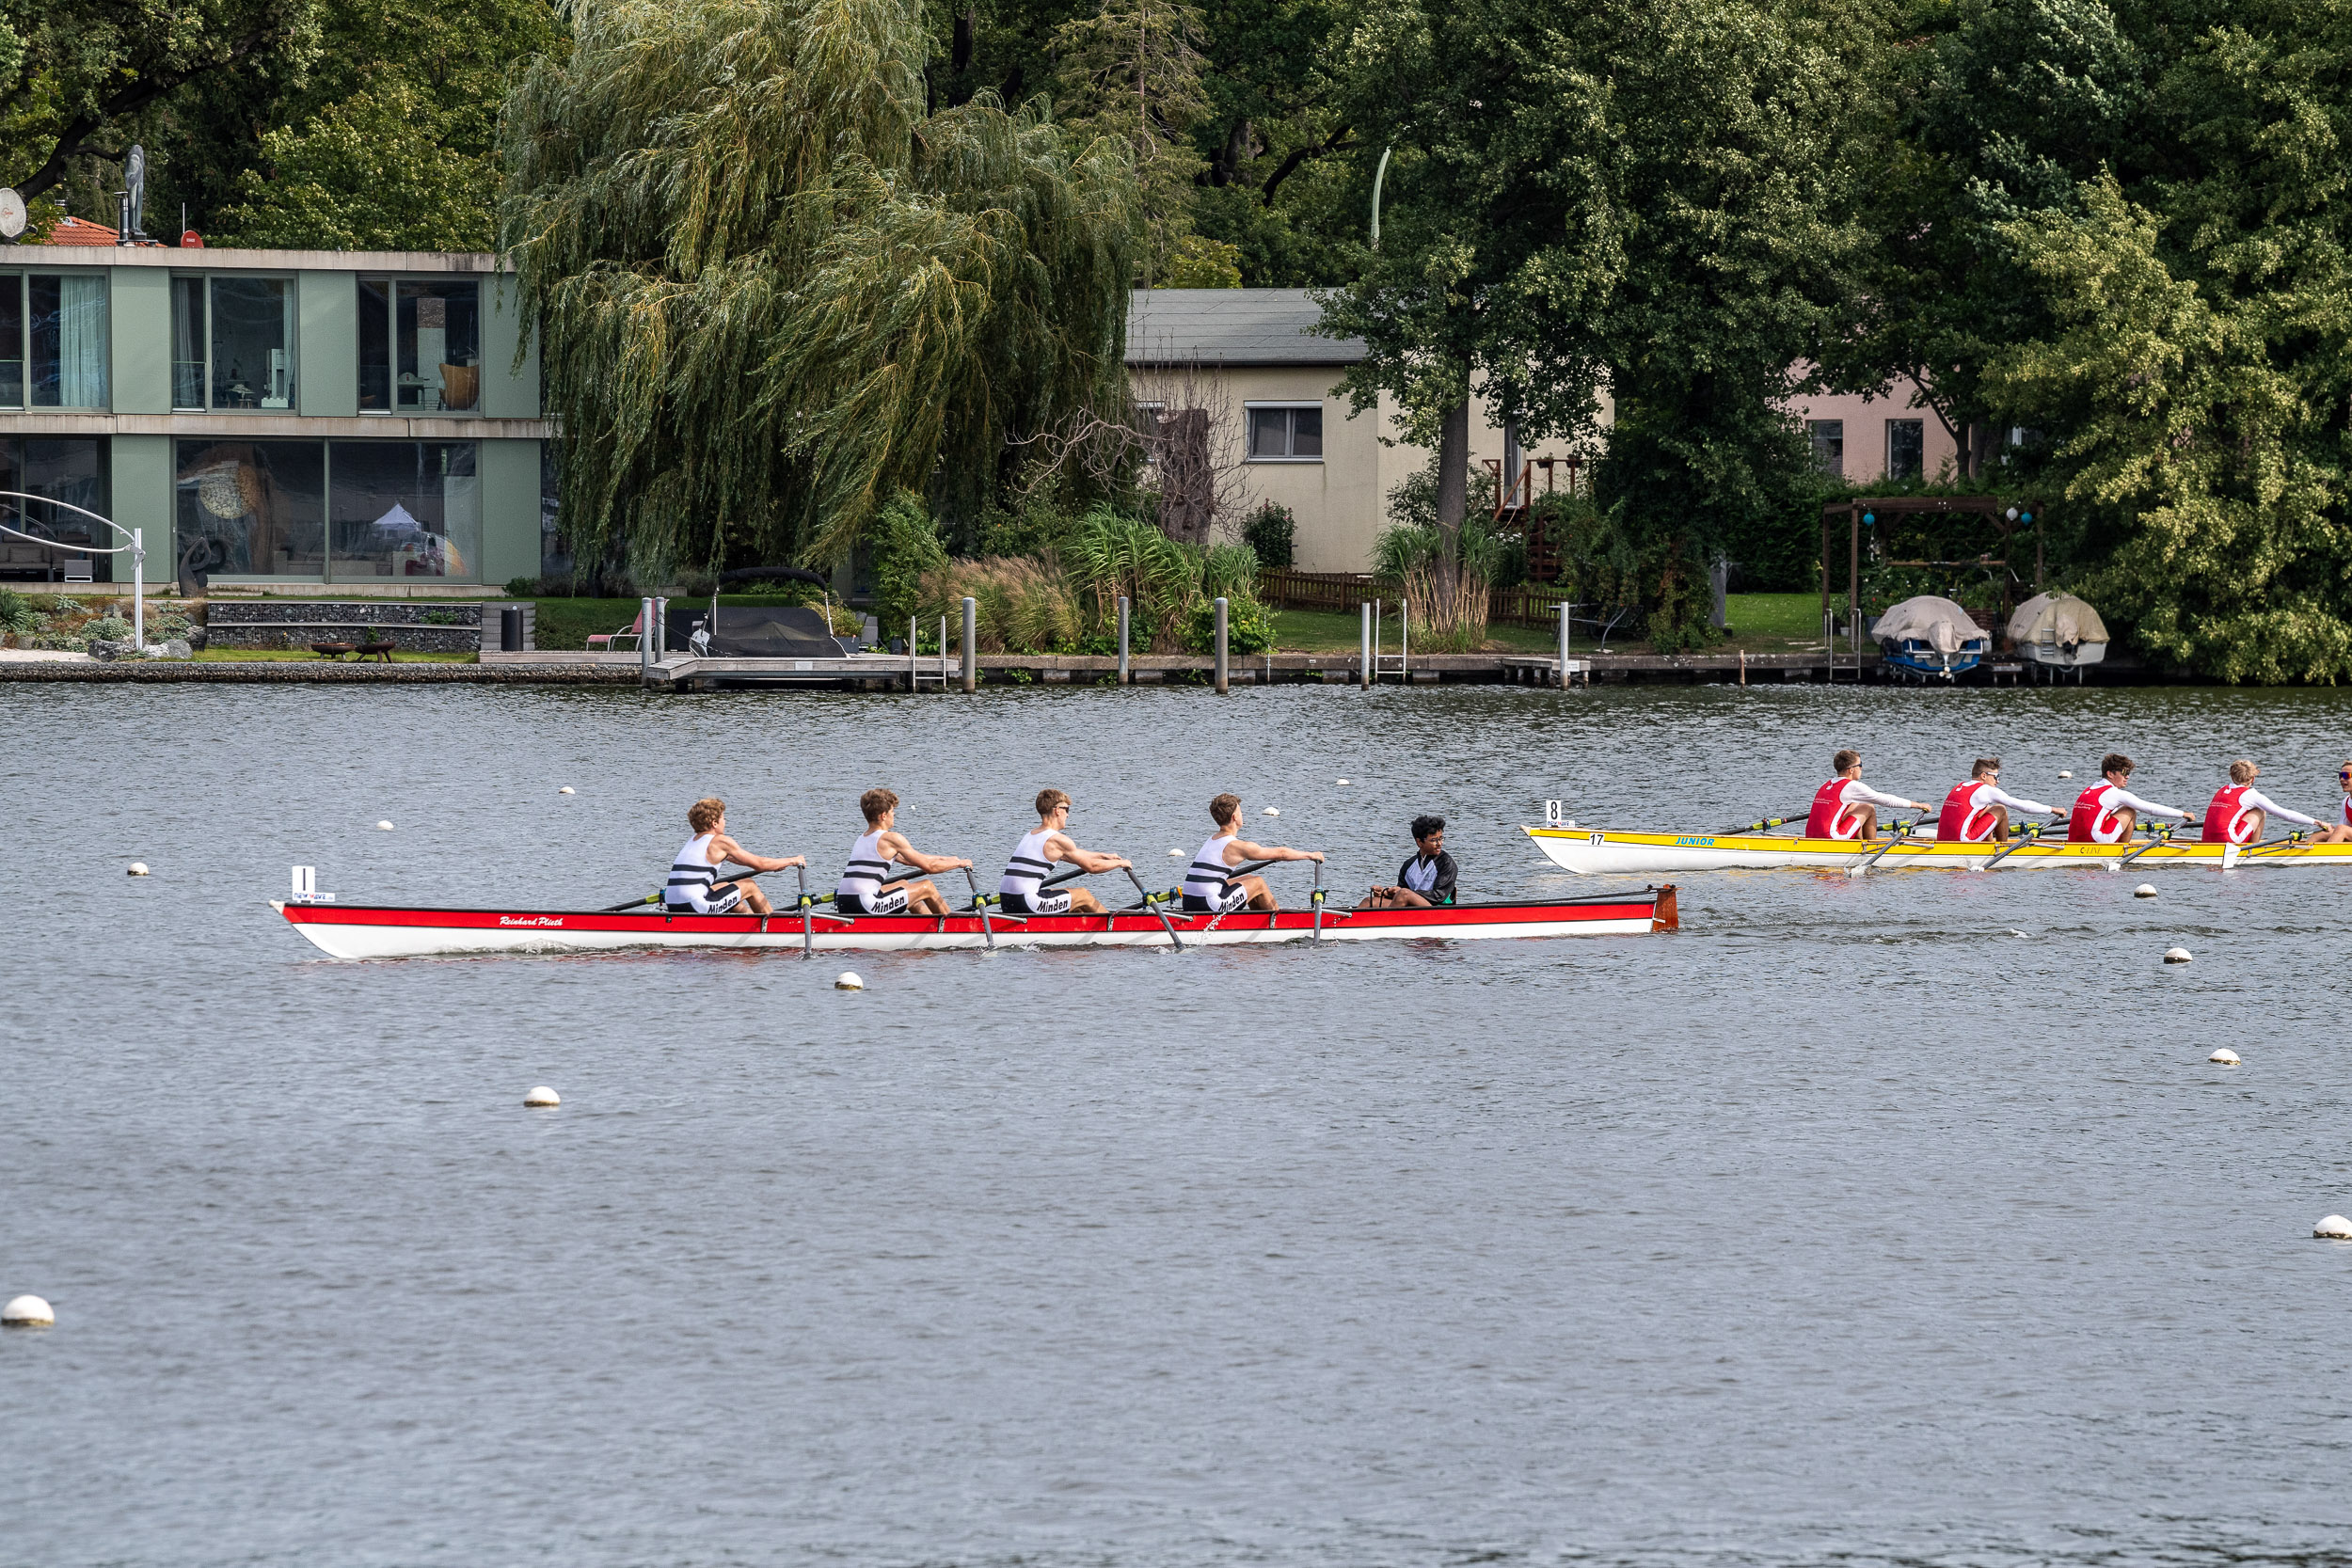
pixel 2058 631
pixel 1930 638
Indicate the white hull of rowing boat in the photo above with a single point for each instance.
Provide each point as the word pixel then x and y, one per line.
pixel 363 933
pixel 1599 852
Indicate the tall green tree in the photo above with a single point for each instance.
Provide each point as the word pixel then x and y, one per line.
pixel 773 289
pixel 1132 70
pixel 1652 203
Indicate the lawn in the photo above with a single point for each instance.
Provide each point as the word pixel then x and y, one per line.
pixel 568 623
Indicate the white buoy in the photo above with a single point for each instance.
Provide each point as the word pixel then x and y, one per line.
pixel 33 1312
pixel 1269 812
pixel 2225 1056
pixel 542 1098
pixel 1176 854
pixel 2176 955
pixel 568 789
pixel 848 980
pixel 385 826
pixel 2066 775
pixel 136 869
pixel 2145 890
pixel 2335 1227
pixel 1342 784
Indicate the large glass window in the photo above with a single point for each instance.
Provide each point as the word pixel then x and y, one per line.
pixel 252 507
pixel 420 345
pixel 68 469
pixel 12 341
pixel 252 331
pixel 1906 448
pixel 188 340
pixel 66 339
pixel 1829 445
pixel 406 509
pixel 1288 432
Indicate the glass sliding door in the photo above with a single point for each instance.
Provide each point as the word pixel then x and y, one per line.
pixel 67 339
pixel 252 332
pixel 439 334
pixel 13 343
pixel 252 507
pixel 406 509
pixel 375 345
pixel 188 340
pixel 67 469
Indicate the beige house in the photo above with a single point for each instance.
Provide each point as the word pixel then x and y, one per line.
pixel 1281 428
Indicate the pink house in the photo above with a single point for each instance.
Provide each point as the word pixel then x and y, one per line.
pixel 1868 437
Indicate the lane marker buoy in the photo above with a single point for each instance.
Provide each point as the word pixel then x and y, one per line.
pixel 848 980
pixel 2176 955
pixel 2145 890
pixel 568 789
pixel 2226 1056
pixel 1342 784
pixel 27 1312
pixel 136 869
pixel 541 1096
pixel 1269 812
pixel 2335 1227
pixel 1175 854
pixel 2068 774
pixel 385 826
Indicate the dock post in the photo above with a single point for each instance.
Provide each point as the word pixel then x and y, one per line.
pixel 660 627
pixel 1122 640
pixel 1363 658
pixel 912 684
pixel 644 639
pixel 971 647
pixel 1565 623
pixel 1221 662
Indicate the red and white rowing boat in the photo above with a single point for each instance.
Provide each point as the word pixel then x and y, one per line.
pixel 384 931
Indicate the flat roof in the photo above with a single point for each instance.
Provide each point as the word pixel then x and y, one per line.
pixel 228 259
pixel 1231 327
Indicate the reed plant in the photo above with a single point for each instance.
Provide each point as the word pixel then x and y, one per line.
pixel 1022 604
pixel 1408 554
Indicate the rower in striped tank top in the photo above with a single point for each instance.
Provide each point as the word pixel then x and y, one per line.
pixel 695 886
pixel 1210 886
pixel 867 885
pixel 1037 854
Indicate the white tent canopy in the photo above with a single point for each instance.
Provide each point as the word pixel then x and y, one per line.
pixel 2068 620
pixel 1935 620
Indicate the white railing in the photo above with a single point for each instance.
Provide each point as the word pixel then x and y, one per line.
pixel 136 547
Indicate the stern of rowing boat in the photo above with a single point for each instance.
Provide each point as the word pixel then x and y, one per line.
pixel 1666 915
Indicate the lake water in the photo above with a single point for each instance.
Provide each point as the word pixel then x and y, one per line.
pixel 1897 1220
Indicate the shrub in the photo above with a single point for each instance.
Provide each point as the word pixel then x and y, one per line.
pixel 1409 553
pixel 902 543
pixel 16 611
pixel 1110 555
pixel 523 588
pixel 1021 605
pixel 1248 627
pixel 1271 534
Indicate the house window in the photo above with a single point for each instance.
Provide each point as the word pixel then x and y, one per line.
pixel 61 348
pixel 72 470
pixel 233 343
pixel 419 346
pixel 1829 445
pixel 1285 431
pixel 405 510
pixel 252 507
pixel 1906 448
pixel 12 340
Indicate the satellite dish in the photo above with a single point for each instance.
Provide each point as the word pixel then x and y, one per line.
pixel 11 214
pixel 134 177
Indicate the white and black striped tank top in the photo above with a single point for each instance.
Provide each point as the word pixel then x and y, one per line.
pixel 691 872
pixel 1208 873
pixel 867 867
pixel 1029 866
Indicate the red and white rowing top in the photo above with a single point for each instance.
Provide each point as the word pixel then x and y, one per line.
pixel 1833 815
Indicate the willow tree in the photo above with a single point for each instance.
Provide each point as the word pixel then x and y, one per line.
pixel 773 289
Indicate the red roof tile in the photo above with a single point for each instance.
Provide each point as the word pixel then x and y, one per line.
pixel 77 231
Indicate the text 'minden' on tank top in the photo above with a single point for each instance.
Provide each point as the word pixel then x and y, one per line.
pixel 1208 873
pixel 867 866
pixel 691 873
pixel 1029 866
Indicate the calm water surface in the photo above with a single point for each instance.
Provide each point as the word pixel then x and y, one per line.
pixel 1889 1220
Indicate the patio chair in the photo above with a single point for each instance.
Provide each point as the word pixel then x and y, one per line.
pixel 77 568
pixel 609 642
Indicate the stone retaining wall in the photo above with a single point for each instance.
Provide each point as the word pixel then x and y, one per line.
pixel 411 626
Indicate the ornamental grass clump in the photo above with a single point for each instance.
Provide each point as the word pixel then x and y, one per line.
pixel 1021 605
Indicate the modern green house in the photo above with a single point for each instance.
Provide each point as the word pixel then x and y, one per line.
pixel 270 419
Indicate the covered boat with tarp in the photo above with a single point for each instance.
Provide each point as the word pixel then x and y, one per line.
pixel 1930 637
pixel 2058 631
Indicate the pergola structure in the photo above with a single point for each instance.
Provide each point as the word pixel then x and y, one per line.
pixel 1862 512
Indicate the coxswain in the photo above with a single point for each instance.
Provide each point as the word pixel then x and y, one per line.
pixel 2106 813
pixel 1210 888
pixel 866 887
pixel 1423 882
pixel 1846 807
pixel 1977 811
pixel 1035 855
pixel 2339 831
pixel 2239 810
pixel 695 886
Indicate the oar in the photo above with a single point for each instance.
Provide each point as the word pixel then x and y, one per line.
pixel 2160 836
pixel 987 931
pixel 2032 834
pixel 1763 823
pixel 1152 904
pixel 1902 832
pixel 2231 855
pixel 808 926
